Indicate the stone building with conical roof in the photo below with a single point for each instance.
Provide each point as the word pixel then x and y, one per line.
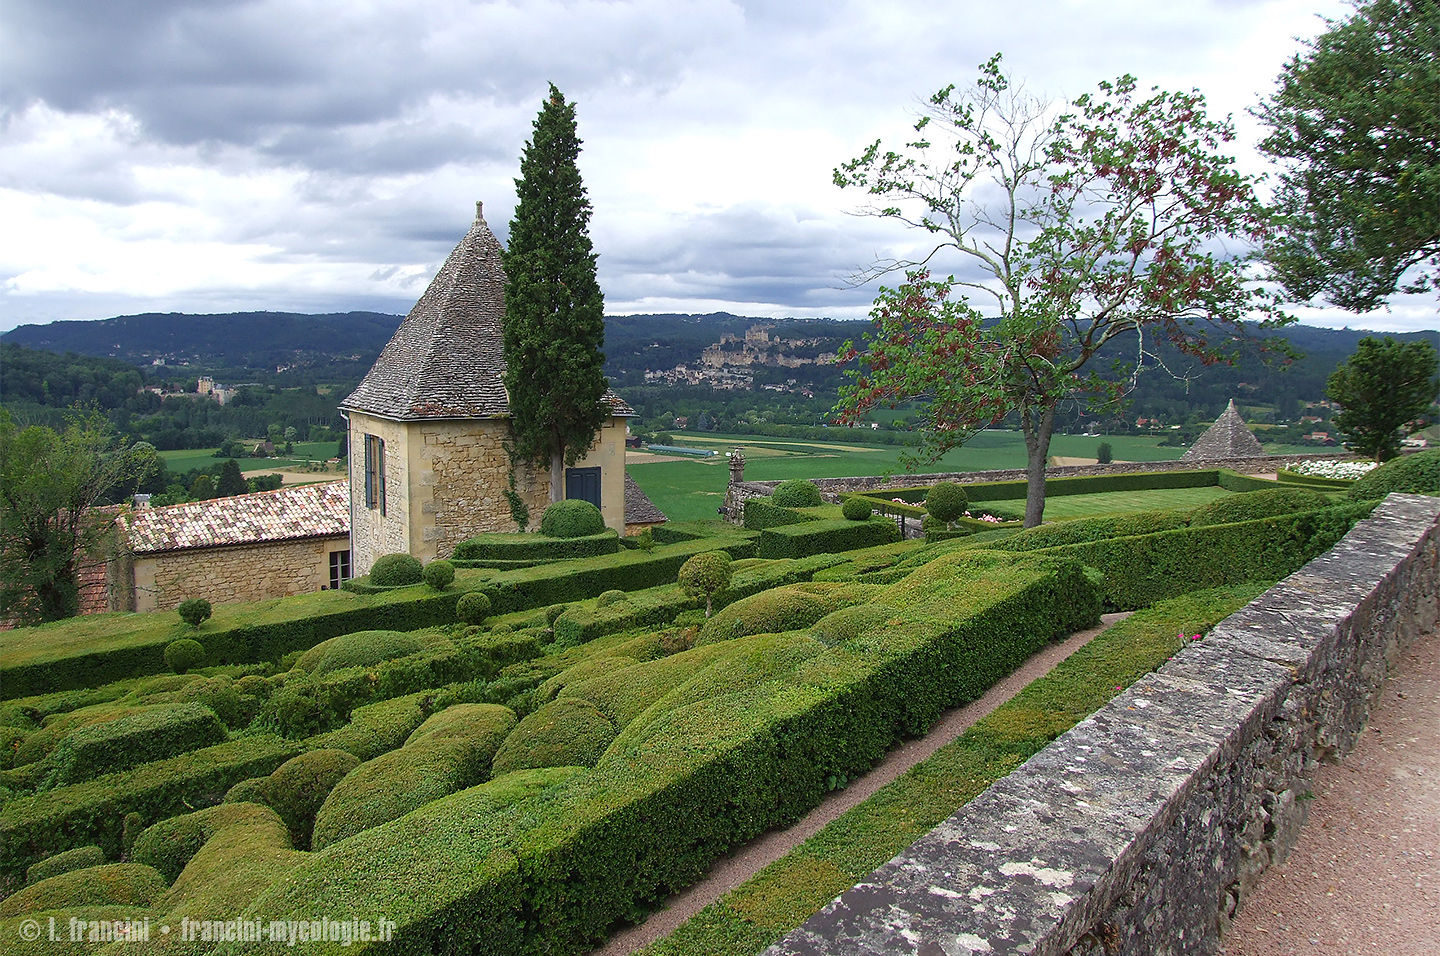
pixel 428 424
pixel 1229 437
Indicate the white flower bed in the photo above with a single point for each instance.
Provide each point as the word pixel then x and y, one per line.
pixel 1349 470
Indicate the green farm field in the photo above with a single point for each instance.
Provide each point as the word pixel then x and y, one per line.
pixel 693 490
pixel 185 459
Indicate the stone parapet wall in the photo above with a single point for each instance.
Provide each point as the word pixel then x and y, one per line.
pixel 1142 829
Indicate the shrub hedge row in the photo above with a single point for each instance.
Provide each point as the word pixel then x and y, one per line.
pixel 137 646
pixel 1286 476
pixel 508 549
pixel 153 733
pixel 762 513
pixel 721 759
pixel 93 812
pixel 825 537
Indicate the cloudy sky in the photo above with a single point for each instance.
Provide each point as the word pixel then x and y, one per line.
pixel 325 155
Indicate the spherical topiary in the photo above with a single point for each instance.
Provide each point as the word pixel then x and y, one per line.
pixel 571 518
pixel 1417 474
pixel 856 509
pixel 439 574
pixel 194 612
pixel 365 649
pixel 704 574
pixel 1254 505
pixel 473 607
pixel 946 501
pixel 395 570
pixel 611 597
pixel 182 655
pixel 796 493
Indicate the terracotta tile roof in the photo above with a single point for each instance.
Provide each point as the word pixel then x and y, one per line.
pixel 639 509
pixel 306 511
pixel 447 359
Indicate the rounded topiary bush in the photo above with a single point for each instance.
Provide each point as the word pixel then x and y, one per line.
pixel 567 732
pixel 796 493
pixel 856 509
pixel 298 788
pixel 611 597
pixel 1417 474
pixel 76 859
pixel 195 611
pixel 473 607
pixel 705 574
pixel 946 501
pixel 571 518
pixel 396 570
pixel 850 622
pixel 184 654
pixel 364 649
pixel 1253 505
pixel 438 574
pixel 773 611
pixel 114 884
pixel 553 612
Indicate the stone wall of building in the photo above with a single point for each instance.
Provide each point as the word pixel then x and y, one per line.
pixel 250 572
pixel 445 481
pixel 1141 830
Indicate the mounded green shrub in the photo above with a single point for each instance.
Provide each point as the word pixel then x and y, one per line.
pixel 610 597
pixel 705 575
pixel 365 649
pixel 151 733
pixel 769 612
pixel 1417 474
pixel 796 493
pixel 195 611
pixel 587 669
pixel 856 509
pixel 1254 505
pixel 451 751
pixel 566 732
pixel 222 695
pixel 376 728
pixel 76 859
pixel 184 654
pixel 94 812
pixel 647 608
pixel 298 788
pixel 473 607
pixel 848 623
pixel 396 570
pixel 946 501
pixel 524 550
pixel 114 884
pixel 438 574
pixel 221 856
pixel 571 518
pixel 762 513
pixel 1080 530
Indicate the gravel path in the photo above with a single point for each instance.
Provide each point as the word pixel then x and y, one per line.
pixel 745 862
pixel 1364 876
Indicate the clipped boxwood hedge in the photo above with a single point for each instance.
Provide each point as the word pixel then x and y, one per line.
pixel 762 513
pixel 151 733
pixel 93 812
pixel 825 537
pixel 716 763
pixel 513 550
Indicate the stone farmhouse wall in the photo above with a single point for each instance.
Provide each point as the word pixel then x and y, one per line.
pixel 159 581
pixel 445 481
pixel 1141 830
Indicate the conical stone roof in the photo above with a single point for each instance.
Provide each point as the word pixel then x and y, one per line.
pixel 447 359
pixel 1229 437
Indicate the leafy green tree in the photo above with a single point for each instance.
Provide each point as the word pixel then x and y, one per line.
pixel 1383 387
pixel 1356 122
pixel 50 485
pixel 1079 228
pixel 554 311
pixel 231 482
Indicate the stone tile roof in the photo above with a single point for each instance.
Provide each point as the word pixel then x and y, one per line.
pixel 447 359
pixel 1229 437
pixel 306 511
pixel 639 509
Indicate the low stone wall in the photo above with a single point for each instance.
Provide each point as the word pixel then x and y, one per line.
pixel 1141 829
pixel 830 488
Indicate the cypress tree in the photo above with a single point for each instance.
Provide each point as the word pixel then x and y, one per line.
pixel 554 311
pixel 231 481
